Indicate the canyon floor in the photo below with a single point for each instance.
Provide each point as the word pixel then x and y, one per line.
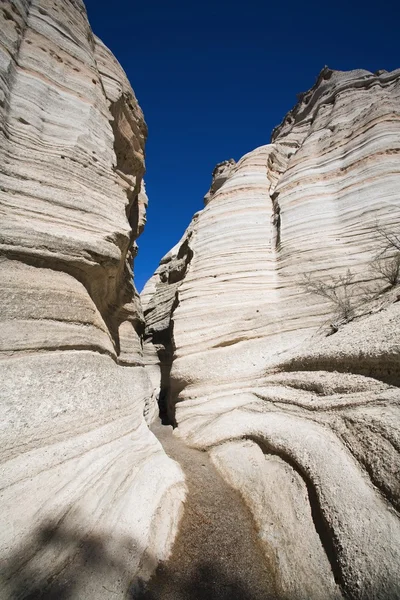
pixel 217 555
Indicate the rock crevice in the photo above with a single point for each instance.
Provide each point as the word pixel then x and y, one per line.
pixel 158 340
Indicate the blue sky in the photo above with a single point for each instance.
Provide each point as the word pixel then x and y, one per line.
pixel 214 78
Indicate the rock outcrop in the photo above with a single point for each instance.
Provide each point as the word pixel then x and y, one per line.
pixel 89 500
pixel 221 173
pixel 304 424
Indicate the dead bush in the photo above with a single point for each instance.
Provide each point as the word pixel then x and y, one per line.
pixel 345 294
pixel 386 264
pixel 387 268
pixel 341 291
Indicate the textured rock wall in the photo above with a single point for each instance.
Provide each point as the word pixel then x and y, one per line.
pixel 88 497
pixel 305 425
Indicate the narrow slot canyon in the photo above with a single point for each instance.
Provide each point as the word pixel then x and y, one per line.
pixel 225 425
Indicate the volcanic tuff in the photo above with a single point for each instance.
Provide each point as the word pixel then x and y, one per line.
pixel 88 496
pixel 304 424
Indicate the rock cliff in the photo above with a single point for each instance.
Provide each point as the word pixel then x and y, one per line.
pixel 304 424
pixel 89 500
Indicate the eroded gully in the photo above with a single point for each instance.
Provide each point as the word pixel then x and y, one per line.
pixel 217 554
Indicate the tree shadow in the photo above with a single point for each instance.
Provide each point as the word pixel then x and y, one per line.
pixel 60 563
pixel 205 582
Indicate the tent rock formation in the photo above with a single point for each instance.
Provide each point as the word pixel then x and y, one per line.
pixel 88 497
pixel 304 425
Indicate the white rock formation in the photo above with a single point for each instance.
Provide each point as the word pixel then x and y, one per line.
pixel 89 500
pixel 306 426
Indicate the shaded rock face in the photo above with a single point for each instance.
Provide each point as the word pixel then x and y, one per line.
pixel 89 498
pixel 306 426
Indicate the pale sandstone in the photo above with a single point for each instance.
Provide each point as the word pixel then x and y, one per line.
pixel 251 373
pixel 89 499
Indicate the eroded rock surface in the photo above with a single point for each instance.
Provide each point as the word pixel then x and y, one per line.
pixel 220 175
pixel 88 497
pixel 306 426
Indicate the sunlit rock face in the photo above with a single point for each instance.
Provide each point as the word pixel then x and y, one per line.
pixel 88 499
pixel 306 425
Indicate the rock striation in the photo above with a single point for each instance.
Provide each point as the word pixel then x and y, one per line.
pixel 299 411
pixel 304 424
pixel 89 500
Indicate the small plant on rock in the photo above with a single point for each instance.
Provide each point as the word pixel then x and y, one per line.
pixel 386 264
pixel 341 291
pixel 347 295
pixel 387 268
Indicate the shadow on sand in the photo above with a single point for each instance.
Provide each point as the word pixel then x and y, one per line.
pixel 59 564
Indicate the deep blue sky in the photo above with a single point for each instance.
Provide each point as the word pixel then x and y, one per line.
pixel 214 78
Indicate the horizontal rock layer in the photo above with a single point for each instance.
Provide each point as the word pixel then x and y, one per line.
pixel 89 499
pixel 304 425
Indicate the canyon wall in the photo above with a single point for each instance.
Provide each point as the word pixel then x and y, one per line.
pixel 89 500
pixel 299 407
